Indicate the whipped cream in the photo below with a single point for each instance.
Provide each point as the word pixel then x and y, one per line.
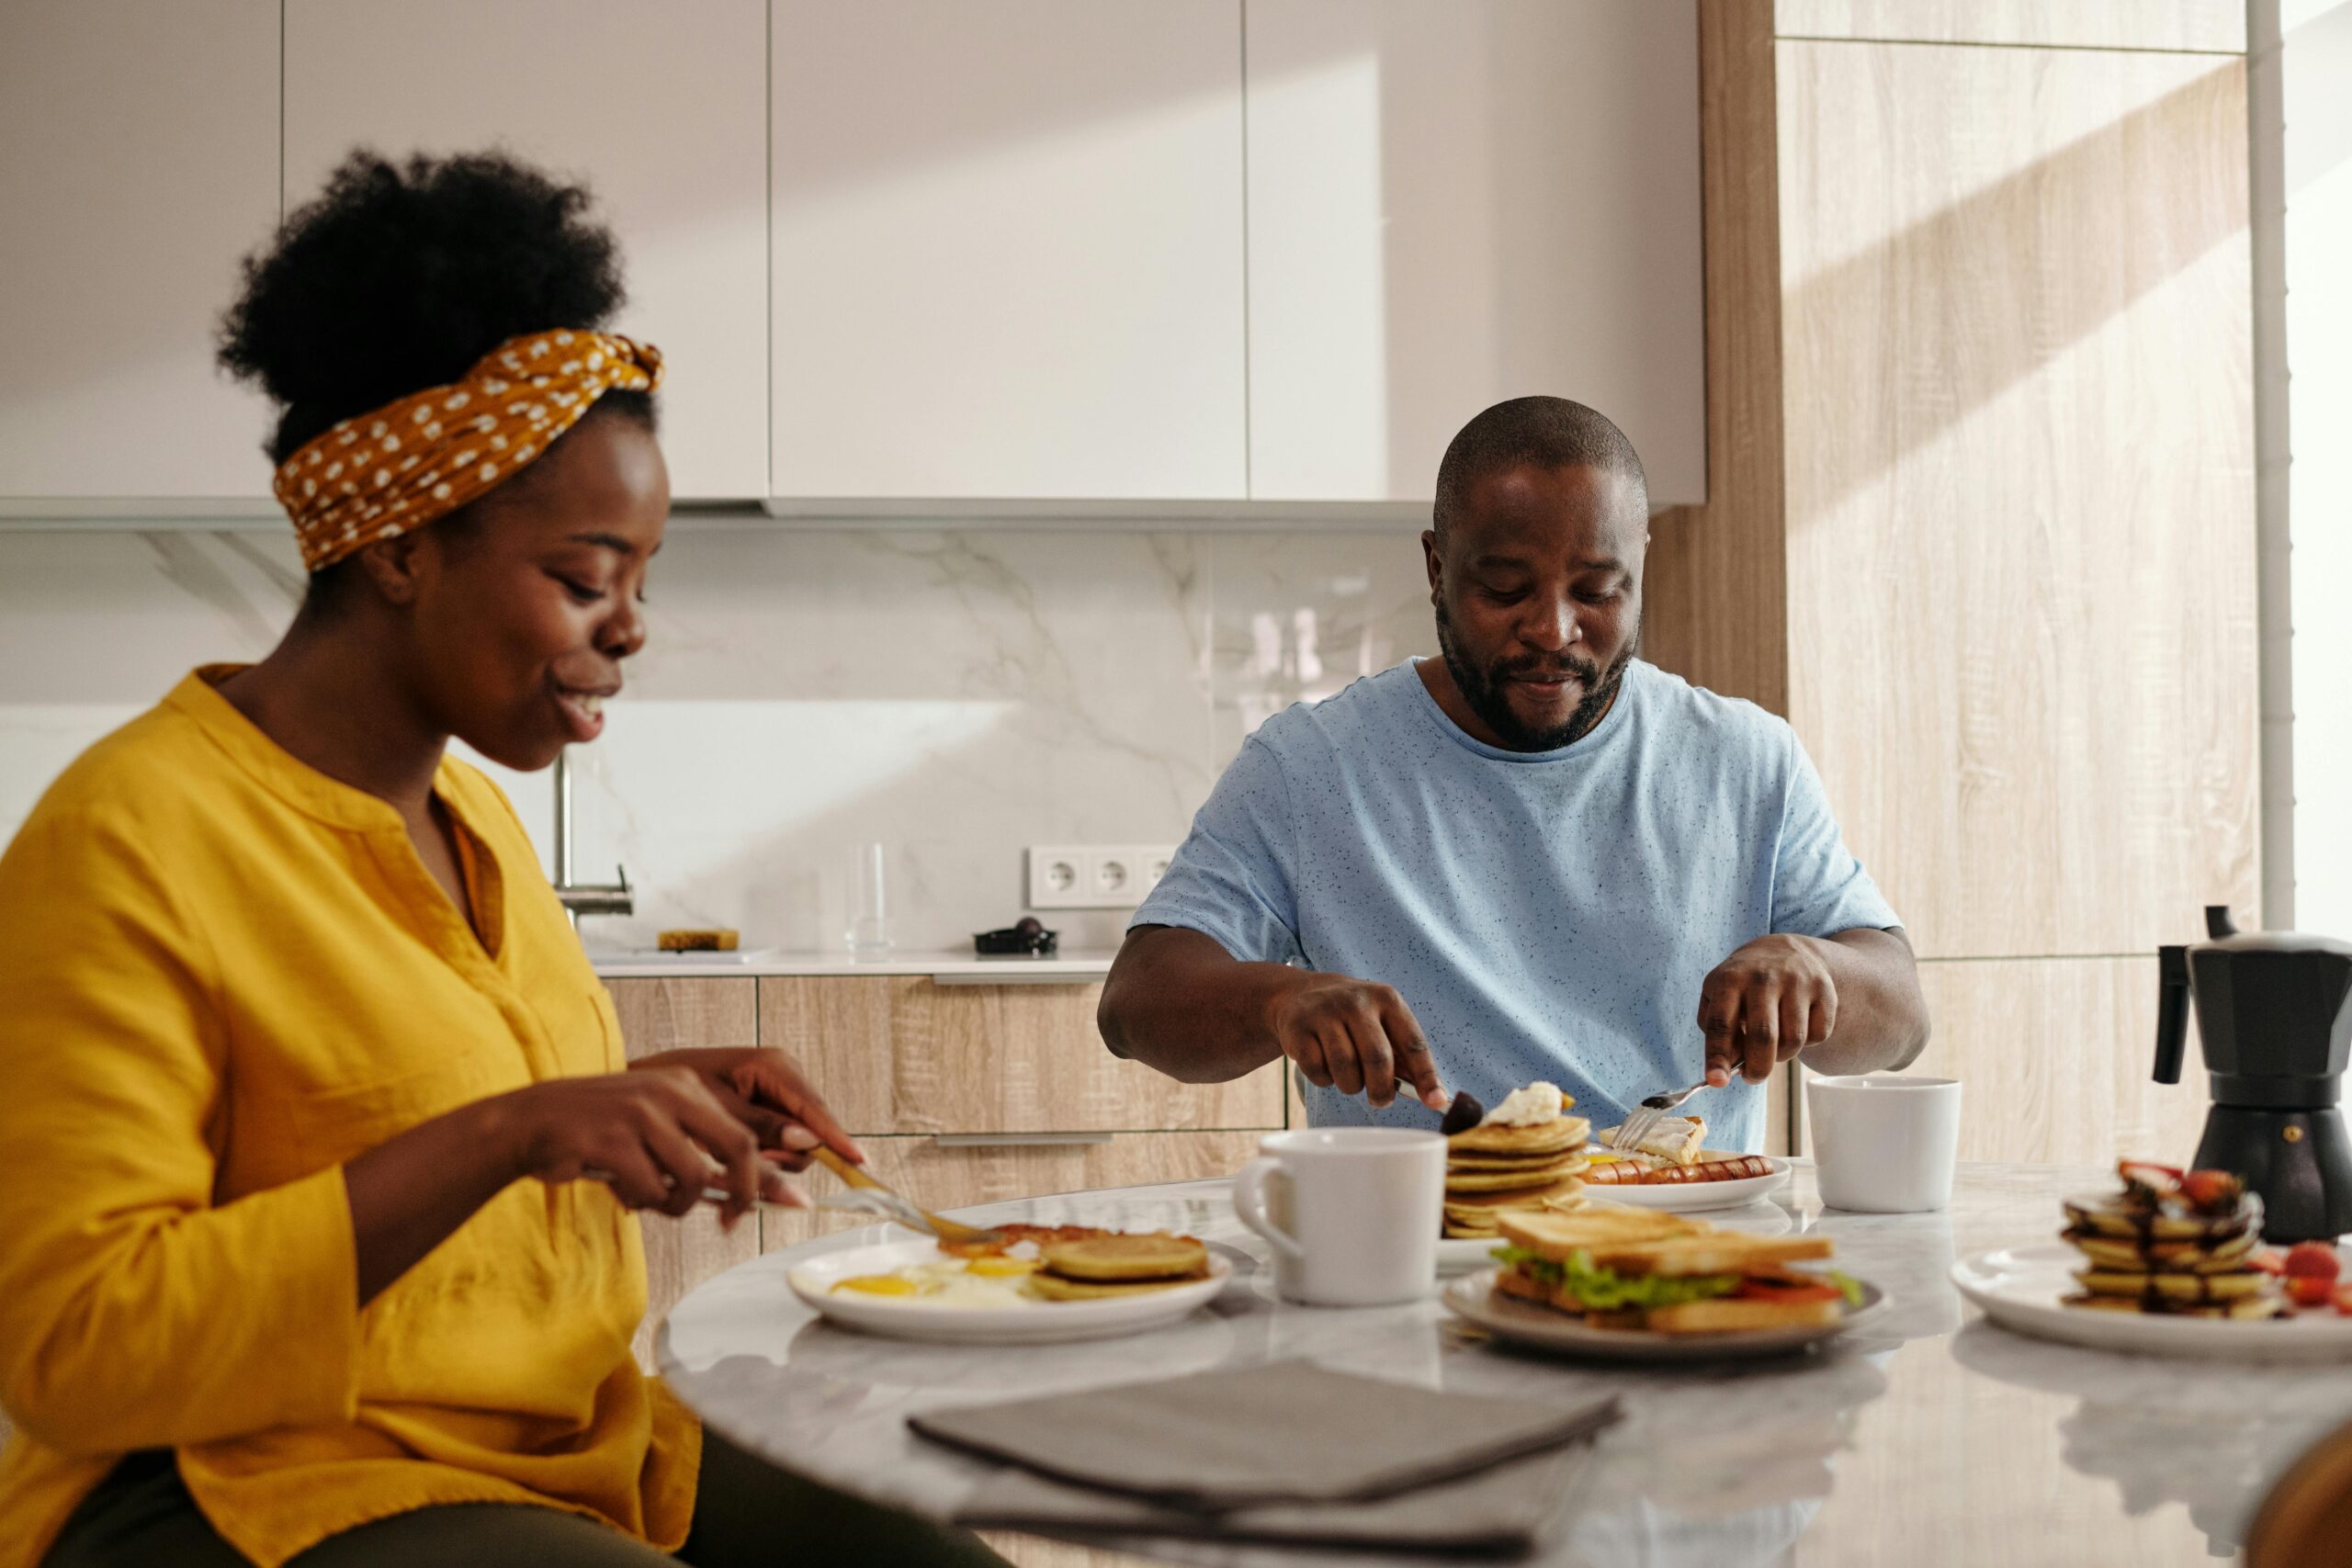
pixel 1530 1106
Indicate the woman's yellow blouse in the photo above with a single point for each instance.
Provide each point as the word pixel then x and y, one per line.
pixel 222 974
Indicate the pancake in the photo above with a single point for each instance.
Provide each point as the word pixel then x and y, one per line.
pixel 2146 1255
pixel 1560 1133
pixel 1475 1214
pixel 2188 1290
pixel 1527 1175
pixel 1054 1288
pixel 2114 1216
pixel 2243 1307
pixel 1154 1256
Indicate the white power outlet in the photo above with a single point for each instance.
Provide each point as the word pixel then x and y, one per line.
pixel 1094 876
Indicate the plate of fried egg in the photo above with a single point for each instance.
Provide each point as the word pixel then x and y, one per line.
pixel 1093 1285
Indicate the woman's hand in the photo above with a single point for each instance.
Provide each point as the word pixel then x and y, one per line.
pixel 764 1088
pixel 659 1137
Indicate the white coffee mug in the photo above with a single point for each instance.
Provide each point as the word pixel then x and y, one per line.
pixel 1883 1143
pixel 1353 1212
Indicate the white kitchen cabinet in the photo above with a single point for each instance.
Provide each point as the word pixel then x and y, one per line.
pixel 138 161
pixel 1452 202
pixel 662 109
pixel 1008 249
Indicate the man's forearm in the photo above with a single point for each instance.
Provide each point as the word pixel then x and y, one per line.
pixel 1881 1014
pixel 1177 1001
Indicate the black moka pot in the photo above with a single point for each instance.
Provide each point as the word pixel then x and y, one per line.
pixel 2273 1009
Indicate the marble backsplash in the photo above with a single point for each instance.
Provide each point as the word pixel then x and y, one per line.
pixel 957 696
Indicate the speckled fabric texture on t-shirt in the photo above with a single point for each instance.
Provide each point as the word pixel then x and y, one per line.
pixel 1545 915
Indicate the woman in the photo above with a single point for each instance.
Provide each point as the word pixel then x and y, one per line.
pixel 318 1147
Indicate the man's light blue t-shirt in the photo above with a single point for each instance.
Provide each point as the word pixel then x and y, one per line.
pixel 1545 915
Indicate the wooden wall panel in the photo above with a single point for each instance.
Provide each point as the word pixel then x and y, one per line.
pixel 1714 605
pixel 904 1054
pixel 2054 1055
pixel 663 1015
pixel 2095 23
pixel 2021 495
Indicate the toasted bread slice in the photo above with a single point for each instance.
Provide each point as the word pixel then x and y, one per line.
pixel 1155 1255
pixel 1719 1252
pixel 1677 1139
pixel 1727 1315
pixel 1551 1234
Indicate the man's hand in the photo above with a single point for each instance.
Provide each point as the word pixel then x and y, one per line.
pixel 1765 1003
pixel 764 1088
pixel 1353 1036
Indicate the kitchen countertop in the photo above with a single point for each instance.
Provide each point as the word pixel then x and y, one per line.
pixel 950 966
pixel 1935 1438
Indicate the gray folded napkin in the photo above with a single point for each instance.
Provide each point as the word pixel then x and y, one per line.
pixel 1505 1511
pixel 1288 1452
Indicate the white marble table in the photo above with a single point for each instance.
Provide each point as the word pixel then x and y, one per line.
pixel 1938 1439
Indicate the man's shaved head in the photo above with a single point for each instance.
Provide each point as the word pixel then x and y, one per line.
pixel 1539 433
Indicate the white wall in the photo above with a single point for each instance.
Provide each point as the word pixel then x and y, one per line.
pixel 956 695
pixel 2317 89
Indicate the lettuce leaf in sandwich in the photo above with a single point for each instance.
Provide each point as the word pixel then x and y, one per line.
pixel 1604 1290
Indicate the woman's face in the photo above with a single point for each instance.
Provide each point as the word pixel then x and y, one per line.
pixel 523 617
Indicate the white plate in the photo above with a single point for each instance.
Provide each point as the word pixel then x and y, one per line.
pixel 1030 1323
pixel 2018 1287
pixel 1525 1323
pixel 1690 1196
pixel 1459 1255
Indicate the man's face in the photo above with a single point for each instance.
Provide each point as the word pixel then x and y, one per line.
pixel 1537 587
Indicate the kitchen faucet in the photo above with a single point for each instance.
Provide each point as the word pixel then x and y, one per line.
pixel 589 897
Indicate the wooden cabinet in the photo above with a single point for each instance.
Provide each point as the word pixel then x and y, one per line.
pixel 662 110
pixel 1452 202
pixel 667 1015
pixel 907 1055
pixel 141 163
pixel 1008 249
pixel 954 1175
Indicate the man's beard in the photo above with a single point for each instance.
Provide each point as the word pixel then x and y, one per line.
pixel 1485 691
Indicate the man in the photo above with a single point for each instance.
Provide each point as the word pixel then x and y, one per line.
pixel 1536 857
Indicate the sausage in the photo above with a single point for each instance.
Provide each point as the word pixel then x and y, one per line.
pixel 1623 1173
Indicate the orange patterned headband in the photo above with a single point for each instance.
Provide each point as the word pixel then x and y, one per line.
pixel 422 457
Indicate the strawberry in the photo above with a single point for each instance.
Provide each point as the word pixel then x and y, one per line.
pixel 2310 1290
pixel 2314 1260
pixel 2211 1191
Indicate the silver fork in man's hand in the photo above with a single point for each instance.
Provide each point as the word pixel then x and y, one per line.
pixel 1648 1113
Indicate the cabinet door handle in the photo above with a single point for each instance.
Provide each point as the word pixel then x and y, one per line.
pixel 1009 977
pixel 1017 1140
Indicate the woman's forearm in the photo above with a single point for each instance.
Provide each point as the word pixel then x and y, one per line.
pixel 409 1194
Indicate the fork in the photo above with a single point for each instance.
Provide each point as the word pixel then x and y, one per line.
pixel 1648 1113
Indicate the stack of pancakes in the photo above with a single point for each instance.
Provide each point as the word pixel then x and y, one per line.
pixel 2152 1250
pixel 1117 1264
pixel 1492 1168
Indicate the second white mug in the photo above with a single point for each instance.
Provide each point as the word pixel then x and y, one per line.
pixel 1352 1214
pixel 1883 1143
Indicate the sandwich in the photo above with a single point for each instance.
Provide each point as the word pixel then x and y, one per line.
pixel 1615 1272
pixel 1674 1140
